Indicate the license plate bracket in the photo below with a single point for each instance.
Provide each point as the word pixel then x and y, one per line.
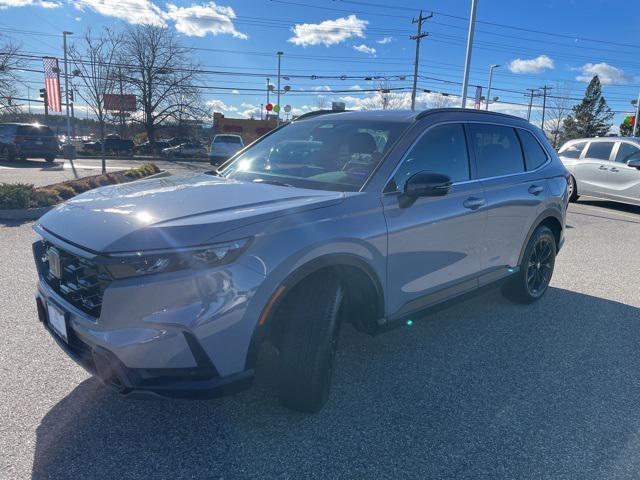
pixel 57 320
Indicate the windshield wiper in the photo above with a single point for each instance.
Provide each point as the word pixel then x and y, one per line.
pixel 272 182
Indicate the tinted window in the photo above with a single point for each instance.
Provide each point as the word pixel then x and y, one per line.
pixel 228 139
pixel 497 149
pixel 534 155
pixel 600 150
pixel 627 152
pixel 442 149
pixel 573 151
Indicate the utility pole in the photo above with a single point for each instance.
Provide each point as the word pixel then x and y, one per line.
pixel 29 99
pixel 544 104
pixel 417 37
pixel 533 93
pixel 66 84
pixel 486 107
pixel 467 61
pixel 121 102
pixel 635 122
pixel 278 102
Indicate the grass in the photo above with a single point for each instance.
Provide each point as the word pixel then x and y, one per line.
pixel 25 195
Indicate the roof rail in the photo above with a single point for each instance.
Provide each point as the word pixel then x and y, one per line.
pixel 424 113
pixel 315 113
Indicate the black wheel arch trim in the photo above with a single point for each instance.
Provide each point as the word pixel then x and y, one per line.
pixel 548 213
pixel 299 274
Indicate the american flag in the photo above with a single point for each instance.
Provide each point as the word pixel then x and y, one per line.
pixel 52 83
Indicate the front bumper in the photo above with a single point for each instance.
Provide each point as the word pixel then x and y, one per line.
pixel 180 334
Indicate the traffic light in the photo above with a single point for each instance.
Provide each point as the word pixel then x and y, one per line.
pixel 43 93
pixel 71 95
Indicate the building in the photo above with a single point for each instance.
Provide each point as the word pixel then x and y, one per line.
pixel 249 129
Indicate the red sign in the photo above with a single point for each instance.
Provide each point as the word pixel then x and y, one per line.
pixel 269 107
pixel 126 103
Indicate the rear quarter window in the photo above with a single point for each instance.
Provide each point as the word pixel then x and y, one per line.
pixel 534 154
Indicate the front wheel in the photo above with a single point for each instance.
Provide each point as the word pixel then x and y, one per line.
pixel 308 343
pixel 536 268
pixel 49 159
pixel 572 189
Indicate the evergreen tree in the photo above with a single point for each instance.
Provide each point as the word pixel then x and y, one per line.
pixel 626 129
pixel 591 117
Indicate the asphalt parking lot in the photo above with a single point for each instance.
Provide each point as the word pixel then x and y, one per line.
pixel 483 389
pixel 40 173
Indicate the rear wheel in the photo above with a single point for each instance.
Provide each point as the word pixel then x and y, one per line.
pixel 536 269
pixel 572 189
pixel 49 159
pixel 311 317
pixel 6 154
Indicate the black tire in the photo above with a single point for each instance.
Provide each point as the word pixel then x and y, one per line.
pixel 536 269
pixel 308 341
pixel 49 159
pixel 573 189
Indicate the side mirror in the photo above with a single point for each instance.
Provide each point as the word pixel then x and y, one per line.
pixel 427 184
pixel 634 164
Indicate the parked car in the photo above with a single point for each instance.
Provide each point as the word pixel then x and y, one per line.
pixel 176 293
pixel 27 140
pixel 185 150
pixel 113 144
pixel 223 147
pixel 606 168
pixel 147 149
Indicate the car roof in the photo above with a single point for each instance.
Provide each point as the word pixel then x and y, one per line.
pixel 24 124
pixel 404 116
pixel 604 139
pixel 227 135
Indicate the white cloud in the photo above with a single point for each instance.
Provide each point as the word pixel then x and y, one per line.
pixel 608 74
pixel 321 88
pixel 385 40
pixel 534 65
pixel 329 32
pixel 199 20
pixel 235 91
pixel 355 87
pixel 132 11
pixel 362 48
pixel 219 106
pixel 4 4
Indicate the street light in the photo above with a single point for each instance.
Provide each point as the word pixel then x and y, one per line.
pixel 491 68
pixel 278 94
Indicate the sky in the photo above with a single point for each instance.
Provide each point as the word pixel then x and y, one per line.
pixel 363 45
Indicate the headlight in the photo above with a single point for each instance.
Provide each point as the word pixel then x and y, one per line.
pixel 146 263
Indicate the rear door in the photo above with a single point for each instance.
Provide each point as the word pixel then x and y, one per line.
pixel 623 181
pixel 591 172
pixel 514 193
pixel 434 243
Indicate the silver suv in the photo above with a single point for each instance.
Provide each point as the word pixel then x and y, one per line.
pixel 607 168
pixel 171 285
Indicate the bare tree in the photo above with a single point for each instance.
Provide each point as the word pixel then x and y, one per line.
pixel 94 60
pixel 559 106
pixel 385 98
pixel 321 102
pixel 161 73
pixel 9 64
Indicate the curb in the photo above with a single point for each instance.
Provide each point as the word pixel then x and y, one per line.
pixel 36 213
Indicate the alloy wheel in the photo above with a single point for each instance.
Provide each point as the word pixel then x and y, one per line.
pixel 540 267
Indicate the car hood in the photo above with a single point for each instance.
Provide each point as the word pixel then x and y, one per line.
pixel 173 212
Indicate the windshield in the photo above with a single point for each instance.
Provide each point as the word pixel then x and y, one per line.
pixel 227 139
pixel 320 154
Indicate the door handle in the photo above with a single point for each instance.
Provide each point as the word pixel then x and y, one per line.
pixel 536 189
pixel 614 169
pixel 602 167
pixel 473 203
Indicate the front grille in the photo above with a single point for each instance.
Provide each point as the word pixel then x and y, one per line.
pixel 81 281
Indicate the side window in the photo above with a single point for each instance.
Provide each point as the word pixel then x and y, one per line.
pixel 627 152
pixel 534 154
pixel 442 149
pixel 497 149
pixel 573 151
pixel 599 150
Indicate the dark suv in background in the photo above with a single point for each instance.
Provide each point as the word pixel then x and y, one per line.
pixel 27 140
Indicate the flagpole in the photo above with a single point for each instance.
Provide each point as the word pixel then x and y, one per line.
pixel 66 84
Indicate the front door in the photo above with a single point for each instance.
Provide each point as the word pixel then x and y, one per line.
pixel 434 243
pixel 623 181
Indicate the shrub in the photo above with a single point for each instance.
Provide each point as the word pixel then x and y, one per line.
pixel 44 197
pixel 64 191
pixel 15 195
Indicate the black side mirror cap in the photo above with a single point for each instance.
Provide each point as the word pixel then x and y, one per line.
pixel 427 184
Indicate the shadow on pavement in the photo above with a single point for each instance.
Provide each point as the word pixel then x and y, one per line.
pixel 35 163
pixel 483 389
pixel 615 206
